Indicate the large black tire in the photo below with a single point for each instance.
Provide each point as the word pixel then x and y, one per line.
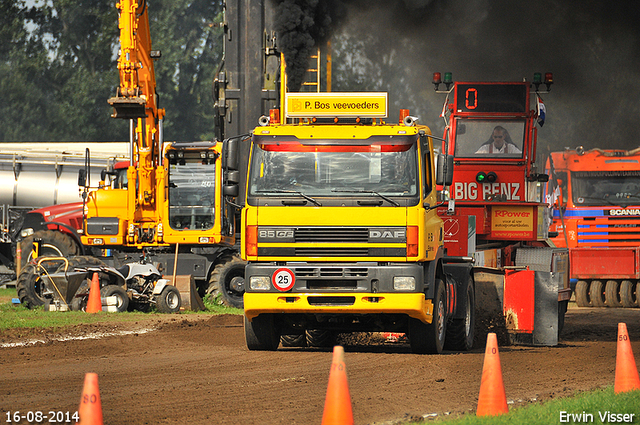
pixel 628 294
pixel 612 294
pixel 429 338
pixel 30 287
pixel 119 293
pixel 54 244
pixel 583 299
pixel 320 338
pixel 261 333
pixel 226 283
pixel 460 331
pixel 596 293
pixel 293 340
pixel 169 300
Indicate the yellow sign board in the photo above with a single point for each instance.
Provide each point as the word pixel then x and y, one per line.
pixel 512 222
pixel 363 105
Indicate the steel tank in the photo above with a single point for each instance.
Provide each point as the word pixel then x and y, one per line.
pixel 32 178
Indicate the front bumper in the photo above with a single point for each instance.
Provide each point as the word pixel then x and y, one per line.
pixel 412 304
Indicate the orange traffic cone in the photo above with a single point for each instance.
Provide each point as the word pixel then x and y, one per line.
pixel 626 371
pixel 492 399
pixel 90 410
pixel 94 304
pixel 337 406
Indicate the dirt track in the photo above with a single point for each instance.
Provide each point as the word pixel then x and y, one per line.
pixel 196 369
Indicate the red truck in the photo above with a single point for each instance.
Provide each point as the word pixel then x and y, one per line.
pixel 495 213
pixel 596 200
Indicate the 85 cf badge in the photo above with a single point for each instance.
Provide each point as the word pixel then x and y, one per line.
pixel 283 279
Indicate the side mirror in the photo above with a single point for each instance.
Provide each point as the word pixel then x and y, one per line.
pixel 231 153
pixel 233 176
pixel 232 190
pixel 82 177
pixel 444 170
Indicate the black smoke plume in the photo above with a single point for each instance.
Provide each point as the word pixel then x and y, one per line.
pixel 301 25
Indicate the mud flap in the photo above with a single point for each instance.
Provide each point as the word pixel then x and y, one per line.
pixel 521 307
pixel 187 287
pixel 531 307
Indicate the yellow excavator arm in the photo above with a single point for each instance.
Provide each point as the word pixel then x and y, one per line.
pixel 136 100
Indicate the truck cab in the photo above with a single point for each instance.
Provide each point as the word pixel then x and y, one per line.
pixel 340 227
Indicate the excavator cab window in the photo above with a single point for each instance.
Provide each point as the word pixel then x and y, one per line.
pixel 191 191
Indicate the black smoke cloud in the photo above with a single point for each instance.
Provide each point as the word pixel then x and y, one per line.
pixel 592 48
pixel 301 25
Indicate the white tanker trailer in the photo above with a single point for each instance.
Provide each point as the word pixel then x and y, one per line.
pixel 41 174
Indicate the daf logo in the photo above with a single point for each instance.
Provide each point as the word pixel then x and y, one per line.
pixel 386 234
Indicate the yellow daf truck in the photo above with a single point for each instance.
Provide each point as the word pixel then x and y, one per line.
pixel 340 229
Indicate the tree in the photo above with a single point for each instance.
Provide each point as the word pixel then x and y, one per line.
pixel 59 66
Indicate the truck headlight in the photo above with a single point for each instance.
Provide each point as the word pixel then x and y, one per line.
pixel 26 232
pixel 404 283
pixel 260 283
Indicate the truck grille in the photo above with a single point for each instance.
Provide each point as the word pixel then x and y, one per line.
pixel 331 272
pixel 609 231
pixel 332 252
pixel 331 234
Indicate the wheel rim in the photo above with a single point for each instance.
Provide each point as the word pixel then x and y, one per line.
pixel 234 287
pixel 237 284
pixel 172 300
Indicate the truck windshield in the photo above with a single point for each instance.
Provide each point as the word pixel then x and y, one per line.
pixel 191 194
pixel 605 188
pixel 333 170
pixel 489 138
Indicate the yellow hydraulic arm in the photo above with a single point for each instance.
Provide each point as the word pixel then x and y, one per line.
pixel 136 100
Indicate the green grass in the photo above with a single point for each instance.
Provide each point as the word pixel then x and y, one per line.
pixel 18 316
pixel 592 402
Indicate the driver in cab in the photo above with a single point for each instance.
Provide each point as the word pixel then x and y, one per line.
pixel 499 142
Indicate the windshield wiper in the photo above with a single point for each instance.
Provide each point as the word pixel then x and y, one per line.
pixel 373 192
pixel 307 197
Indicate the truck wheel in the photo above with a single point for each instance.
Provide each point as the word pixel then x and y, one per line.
pixel 30 287
pixel 293 340
pixel 596 293
pixel 119 293
pixel 227 281
pixel 169 300
pixel 460 331
pixel 54 244
pixel 429 338
pixel 628 295
pixel 612 294
pixel 582 294
pixel 261 333
pixel 320 338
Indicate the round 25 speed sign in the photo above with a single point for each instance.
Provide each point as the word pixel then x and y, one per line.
pixel 283 279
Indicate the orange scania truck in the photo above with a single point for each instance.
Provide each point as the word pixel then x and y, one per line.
pixel 596 214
